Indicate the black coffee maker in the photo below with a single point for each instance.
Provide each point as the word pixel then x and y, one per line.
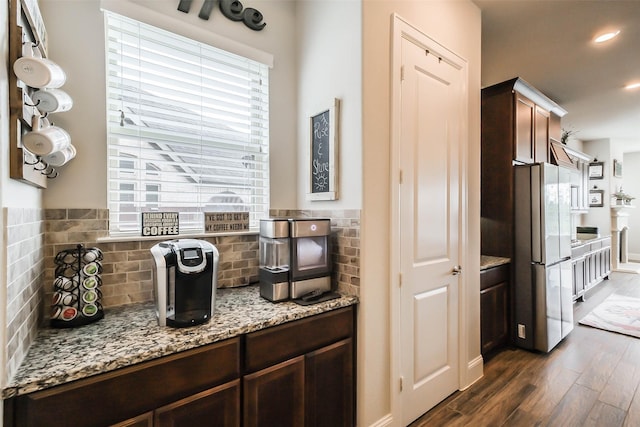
pixel 185 281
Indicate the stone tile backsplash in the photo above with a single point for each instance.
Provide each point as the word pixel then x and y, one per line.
pixel 127 275
pixel 23 240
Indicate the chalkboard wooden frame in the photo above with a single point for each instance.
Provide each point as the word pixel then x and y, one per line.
pixel 323 153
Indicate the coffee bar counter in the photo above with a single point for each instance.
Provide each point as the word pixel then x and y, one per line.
pixel 487 261
pixel 130 335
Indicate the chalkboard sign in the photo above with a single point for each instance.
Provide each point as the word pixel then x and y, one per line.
pixel 323 154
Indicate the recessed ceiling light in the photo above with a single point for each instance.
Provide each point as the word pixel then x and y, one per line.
pixel 632 86
pixel 606 36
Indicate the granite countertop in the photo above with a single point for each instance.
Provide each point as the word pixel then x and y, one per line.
pixel 487 261
pixel 130 334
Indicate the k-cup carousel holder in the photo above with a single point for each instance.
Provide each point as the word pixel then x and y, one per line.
pixel 76 289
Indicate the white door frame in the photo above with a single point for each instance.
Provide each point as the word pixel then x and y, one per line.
pixel 403 29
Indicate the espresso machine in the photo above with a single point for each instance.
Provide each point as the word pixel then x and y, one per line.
pixel 185 281
pixel 295 257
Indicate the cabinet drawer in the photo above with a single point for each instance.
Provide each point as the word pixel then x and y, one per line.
pixel 109 398
pixel 606 242
pixel 596 245
pixel 279 343
pixel 493 276
pixel 578 251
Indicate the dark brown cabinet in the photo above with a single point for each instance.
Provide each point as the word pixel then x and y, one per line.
pixel 275 395
pixel 125 394
pixel 302 373
pixel 220 405
pixel 518 123
pixel 296 374
pixel 541 135
pixel 524 145
pixel 494 308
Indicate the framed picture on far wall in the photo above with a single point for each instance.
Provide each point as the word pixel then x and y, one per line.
pixel 596 170
pixel 595 198
pixel 617 168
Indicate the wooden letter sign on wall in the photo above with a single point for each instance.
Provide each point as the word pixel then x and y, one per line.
pixel 232 9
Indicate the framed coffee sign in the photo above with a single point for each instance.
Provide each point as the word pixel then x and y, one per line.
pixel 323 156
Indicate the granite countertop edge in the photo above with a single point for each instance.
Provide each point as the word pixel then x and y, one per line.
pixel 488 261
pixel 130 334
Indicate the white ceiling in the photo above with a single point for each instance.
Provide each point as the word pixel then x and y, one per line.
pixel 549 44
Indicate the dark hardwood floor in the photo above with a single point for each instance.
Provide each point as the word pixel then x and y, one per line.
pixel 590 379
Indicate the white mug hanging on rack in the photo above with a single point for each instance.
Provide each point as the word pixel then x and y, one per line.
pixel 45 138
pixel 52 100
pixel 36 71
pixel 61 157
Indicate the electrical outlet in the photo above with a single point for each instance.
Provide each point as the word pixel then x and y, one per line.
pixel 521 331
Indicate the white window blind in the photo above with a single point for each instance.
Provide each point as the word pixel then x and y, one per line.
pixel 188 128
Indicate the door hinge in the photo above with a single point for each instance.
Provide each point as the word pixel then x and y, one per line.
pixel 401 382
pixel 402 73
pixel 400 280
pixel 400 176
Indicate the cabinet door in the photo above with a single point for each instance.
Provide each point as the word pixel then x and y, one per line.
pixel 578 277
pixel 494 330
pixel 219 406
pixel 524 120
pixel 275 396
pixel 144 420
pixel 541 135
pixel 329 386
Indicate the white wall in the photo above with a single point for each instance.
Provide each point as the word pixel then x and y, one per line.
pixel 457 26
pixel 631 185
pixel 76 37
pixel 606 150
pixel 329 56
pixel 600 217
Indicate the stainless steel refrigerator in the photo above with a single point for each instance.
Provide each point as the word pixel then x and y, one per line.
pixel 543 304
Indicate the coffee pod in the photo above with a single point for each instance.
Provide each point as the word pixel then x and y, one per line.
pixel 92 269
pixel 65 284
pixel 52 100
pixel 62 157
pixel 36 71
pixel 65 298
pixel 92 254
pixel 90 310
pixel 64 313
pixel 44 138
pixel 91 282
pixel 90 297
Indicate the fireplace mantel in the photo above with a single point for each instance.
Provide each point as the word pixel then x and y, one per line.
pixel 620 209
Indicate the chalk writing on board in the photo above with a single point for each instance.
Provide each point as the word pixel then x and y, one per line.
pixel 320 165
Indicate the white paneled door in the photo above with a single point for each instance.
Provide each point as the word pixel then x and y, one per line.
pixel 432 111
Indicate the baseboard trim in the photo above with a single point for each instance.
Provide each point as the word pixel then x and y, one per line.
pixel 385 421
pixel 474 371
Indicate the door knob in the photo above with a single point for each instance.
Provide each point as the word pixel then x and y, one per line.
pixel 456 270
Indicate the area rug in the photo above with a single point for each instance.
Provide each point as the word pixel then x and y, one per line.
pixel 617 313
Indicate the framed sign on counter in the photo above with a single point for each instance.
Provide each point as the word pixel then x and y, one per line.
pixel 323 156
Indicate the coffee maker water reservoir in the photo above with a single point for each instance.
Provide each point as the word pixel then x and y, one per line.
pixel 186 280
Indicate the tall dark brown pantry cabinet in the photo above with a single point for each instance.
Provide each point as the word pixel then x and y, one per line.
pixel 518 124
